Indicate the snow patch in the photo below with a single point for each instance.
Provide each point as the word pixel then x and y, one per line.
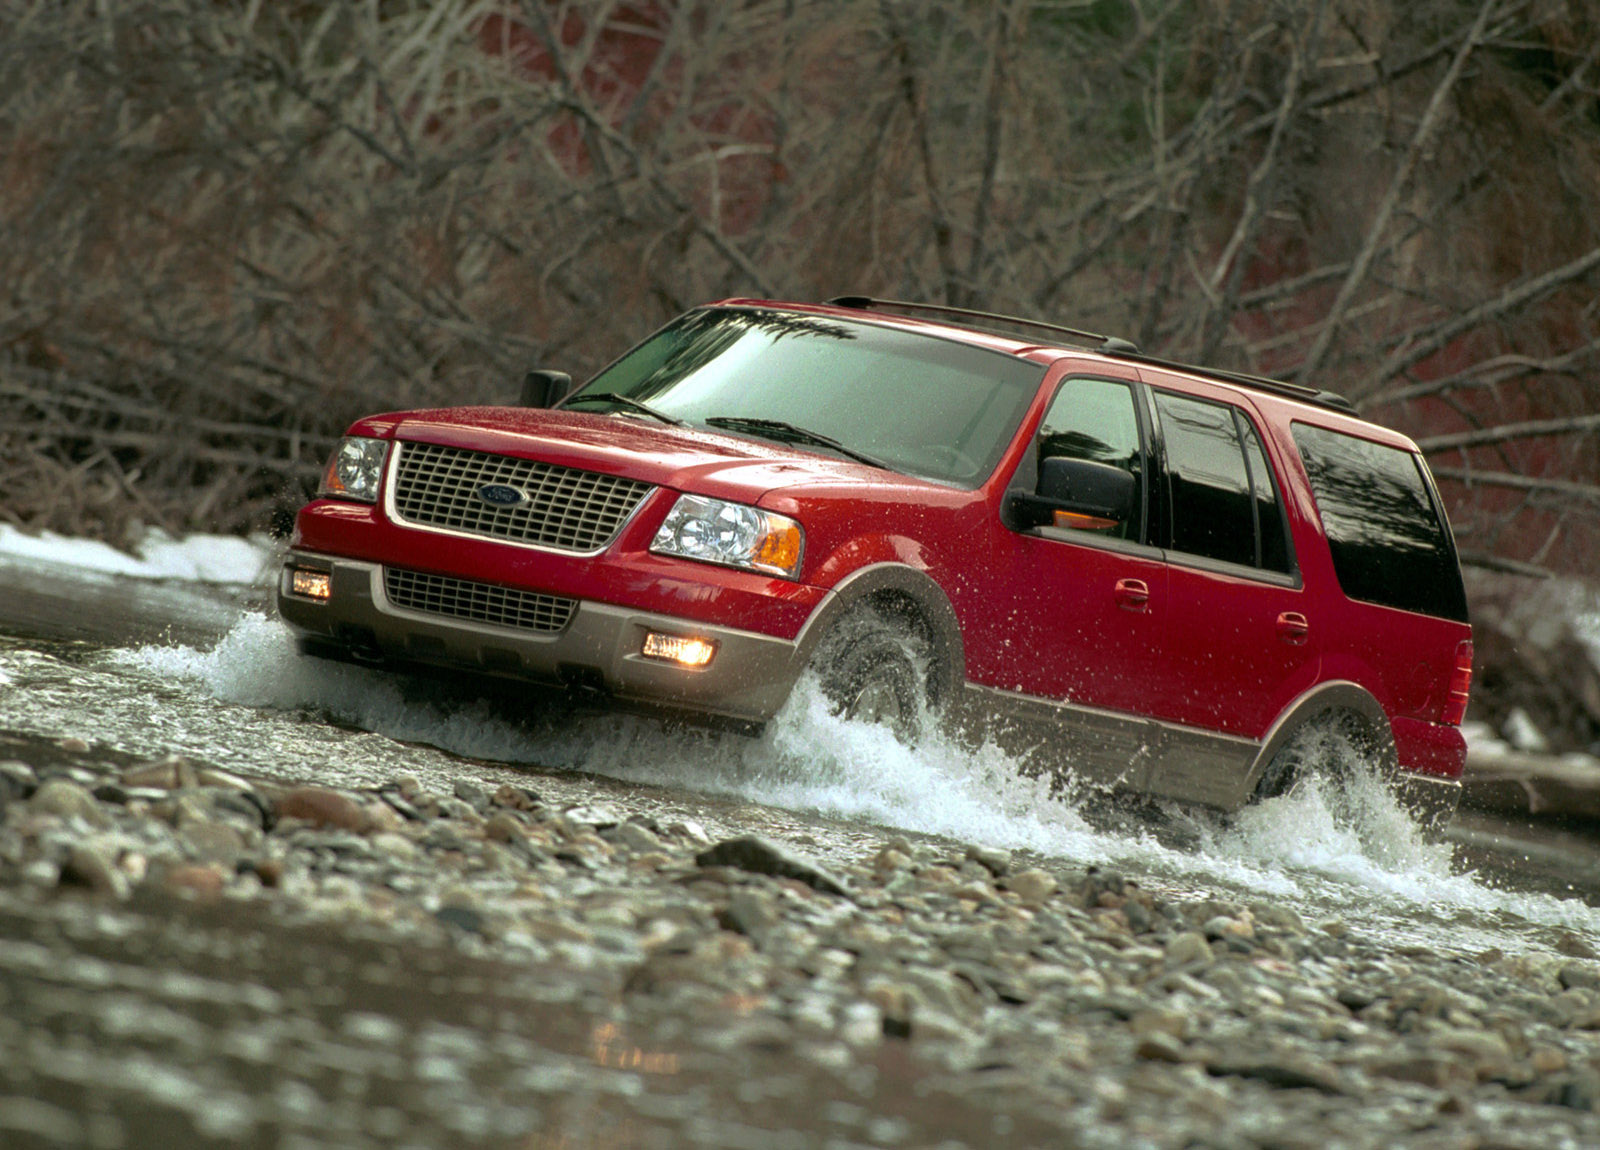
pixel 192 559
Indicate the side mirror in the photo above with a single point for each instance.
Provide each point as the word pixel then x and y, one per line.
pixel 1093 494
pixel 541 388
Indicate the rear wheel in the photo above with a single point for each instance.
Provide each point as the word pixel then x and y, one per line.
pixel 871 668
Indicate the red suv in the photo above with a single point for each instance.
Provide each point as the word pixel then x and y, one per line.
pixel 1154 575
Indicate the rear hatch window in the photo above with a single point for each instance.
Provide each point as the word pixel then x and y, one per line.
pixel 1384 525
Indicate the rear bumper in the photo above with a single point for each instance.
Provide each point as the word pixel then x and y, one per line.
pixel 599 648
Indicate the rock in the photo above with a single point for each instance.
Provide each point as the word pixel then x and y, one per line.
pixel 1031 886
pixel 199 880
pixel 17 778
pixel 212 842
pixel 517 798
pixel 750 913
pixel 996 862
pixel 763 856
pixel 463 918
pixel 473 795
pixel 322 808
pixel 634 837
pixel 73 745
pixel 171 773
pixel 1158 1047
pixel 94 869
pixel 1580 976
pixel 1187 949
pixel 67 800
pixel 1294 1073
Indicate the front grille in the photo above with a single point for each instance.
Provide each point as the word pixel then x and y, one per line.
pixel 480 602
pixel 563 508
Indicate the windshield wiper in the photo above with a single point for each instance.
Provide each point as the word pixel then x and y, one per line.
pixel 788 433
pixel 626 401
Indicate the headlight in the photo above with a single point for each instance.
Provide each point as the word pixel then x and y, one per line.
pixel 731 534
pixel 355 468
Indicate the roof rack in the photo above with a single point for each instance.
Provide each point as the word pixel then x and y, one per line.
pixel 1109 344
pixel 1101 342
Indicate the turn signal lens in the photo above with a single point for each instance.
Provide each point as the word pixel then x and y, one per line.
pixel 732 534
pixel 1455 703
pixel 684 650
pixel 355 469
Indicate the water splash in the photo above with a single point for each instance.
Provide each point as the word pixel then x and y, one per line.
pixel 1322 848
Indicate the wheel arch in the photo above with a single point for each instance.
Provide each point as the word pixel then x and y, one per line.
pixel 903 592
pixel 1325 699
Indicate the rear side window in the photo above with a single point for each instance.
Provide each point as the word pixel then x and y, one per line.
pixel 1388 538
pixel 1224 503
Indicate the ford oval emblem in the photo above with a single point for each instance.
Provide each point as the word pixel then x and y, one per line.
pixel 501 495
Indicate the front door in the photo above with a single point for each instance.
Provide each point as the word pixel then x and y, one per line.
pixel 1075 625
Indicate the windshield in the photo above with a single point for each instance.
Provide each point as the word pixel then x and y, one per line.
pixel 930 407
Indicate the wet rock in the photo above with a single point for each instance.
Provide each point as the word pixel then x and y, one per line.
pixel 1580 976
pixel 17 779
pixel 322 808
pixel 1290 1073
pixel 1032 886
pixel 197 880
pixel 94 868
pixel 763 856
pixel 171 773
pixel 634 837
pixel 517 798
pixel 997 862
pixel 473 795
pixel 750 913
pixel 212 842
pixel 1188 948
pixel 67 800
pixel 402 806
pixel 73 745
pixel 463 918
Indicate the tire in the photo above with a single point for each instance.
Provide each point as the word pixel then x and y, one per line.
pixel 1316 750
pixel 870 667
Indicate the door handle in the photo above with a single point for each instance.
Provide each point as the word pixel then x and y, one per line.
pixel 1132 594
pixel 1294 628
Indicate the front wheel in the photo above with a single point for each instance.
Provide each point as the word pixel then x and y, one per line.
pixel 871 668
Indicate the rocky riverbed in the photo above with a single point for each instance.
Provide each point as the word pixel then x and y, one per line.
pixel 187 955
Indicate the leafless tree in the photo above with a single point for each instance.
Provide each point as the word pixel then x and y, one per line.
pixel 228 228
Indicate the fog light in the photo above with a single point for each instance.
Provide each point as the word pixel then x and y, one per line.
pixel 311 584
pixel 680 649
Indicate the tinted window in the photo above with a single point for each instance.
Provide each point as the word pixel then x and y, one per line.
pixel 1389 543
pixel 1271 534
pixel 927 406
pixel 1094 419
pixel 1213 512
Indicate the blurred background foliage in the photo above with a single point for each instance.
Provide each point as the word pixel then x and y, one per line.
pixel 228 228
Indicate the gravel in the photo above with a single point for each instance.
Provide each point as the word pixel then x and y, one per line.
pixel 190 956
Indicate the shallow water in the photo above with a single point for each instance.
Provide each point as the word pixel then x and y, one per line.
pixel 251 703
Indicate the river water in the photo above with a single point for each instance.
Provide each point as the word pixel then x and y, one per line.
pixel 162 668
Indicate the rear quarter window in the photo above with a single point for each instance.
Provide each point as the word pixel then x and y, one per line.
pixel 1385 530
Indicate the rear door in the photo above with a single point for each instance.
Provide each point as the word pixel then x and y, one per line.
pixel 1242 636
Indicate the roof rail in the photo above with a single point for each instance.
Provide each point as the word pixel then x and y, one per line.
pixel 1102 342
pixel 1303 392
pixel 1109 344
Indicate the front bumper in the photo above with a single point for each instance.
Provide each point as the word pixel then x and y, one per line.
pixel 598 650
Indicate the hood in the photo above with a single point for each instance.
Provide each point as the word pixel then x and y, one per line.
pixel 706 462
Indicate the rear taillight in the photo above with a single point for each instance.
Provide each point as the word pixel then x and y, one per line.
pixel 1455 703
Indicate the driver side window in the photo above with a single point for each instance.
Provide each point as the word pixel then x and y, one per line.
pixel 1095 419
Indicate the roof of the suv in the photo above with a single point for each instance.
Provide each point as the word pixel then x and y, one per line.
pixel 992 324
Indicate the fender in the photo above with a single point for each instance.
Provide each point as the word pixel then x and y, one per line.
pixel 1323 699
pixel 949 668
